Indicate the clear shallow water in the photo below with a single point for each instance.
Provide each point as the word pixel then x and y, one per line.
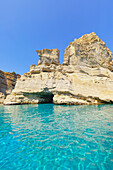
pixel 51 137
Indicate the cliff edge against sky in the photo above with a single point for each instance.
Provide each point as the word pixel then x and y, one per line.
pixel 85 77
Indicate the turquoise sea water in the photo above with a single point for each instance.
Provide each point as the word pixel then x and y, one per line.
pixel 54 137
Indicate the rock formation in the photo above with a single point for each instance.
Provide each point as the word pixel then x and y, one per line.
pixel 85 77
pixel 89 50
pixel 48 57
pixel 7 83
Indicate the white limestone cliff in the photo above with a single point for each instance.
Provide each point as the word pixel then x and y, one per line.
pixel 85 77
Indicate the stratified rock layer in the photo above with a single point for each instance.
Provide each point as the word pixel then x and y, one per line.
pixel 7 83
pixel 85 77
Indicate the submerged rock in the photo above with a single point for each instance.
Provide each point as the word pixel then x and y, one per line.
pixel 85 77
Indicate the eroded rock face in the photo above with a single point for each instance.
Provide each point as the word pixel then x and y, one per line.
pixel 85 77
pixel 89 50
pixel 47 56
pixel 7 83
pixel 2 97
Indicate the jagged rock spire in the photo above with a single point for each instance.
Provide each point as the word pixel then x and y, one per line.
pixel 47 56
pixel 88 50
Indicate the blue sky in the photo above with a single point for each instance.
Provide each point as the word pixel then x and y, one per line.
pixel 29 25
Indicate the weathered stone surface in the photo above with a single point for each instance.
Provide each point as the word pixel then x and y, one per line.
pixel 7 83
pixel 2 97
pixel 89 50
pixel 47 56
pixel 85 77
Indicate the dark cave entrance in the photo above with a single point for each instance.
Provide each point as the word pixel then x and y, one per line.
pixel 46 97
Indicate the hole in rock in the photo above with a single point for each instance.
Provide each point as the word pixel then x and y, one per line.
pixel 46 98
pixel 42 97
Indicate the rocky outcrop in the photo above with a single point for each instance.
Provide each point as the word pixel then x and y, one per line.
pixel 47 56
pixel 2 97
pixel 85 77
pixel 7 83
pixel 89 50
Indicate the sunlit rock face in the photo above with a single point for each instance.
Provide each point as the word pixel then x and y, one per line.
pixel 47 56
pixel 89 50
pixel 85 77
pixel 7 83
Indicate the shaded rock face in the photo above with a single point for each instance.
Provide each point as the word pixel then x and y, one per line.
pixel 85 77
pixel 7 83
pixel 2 97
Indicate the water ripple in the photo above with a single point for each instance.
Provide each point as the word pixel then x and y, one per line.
pixel 51 137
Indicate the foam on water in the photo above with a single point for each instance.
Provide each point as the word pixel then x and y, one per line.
pixel 51 137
